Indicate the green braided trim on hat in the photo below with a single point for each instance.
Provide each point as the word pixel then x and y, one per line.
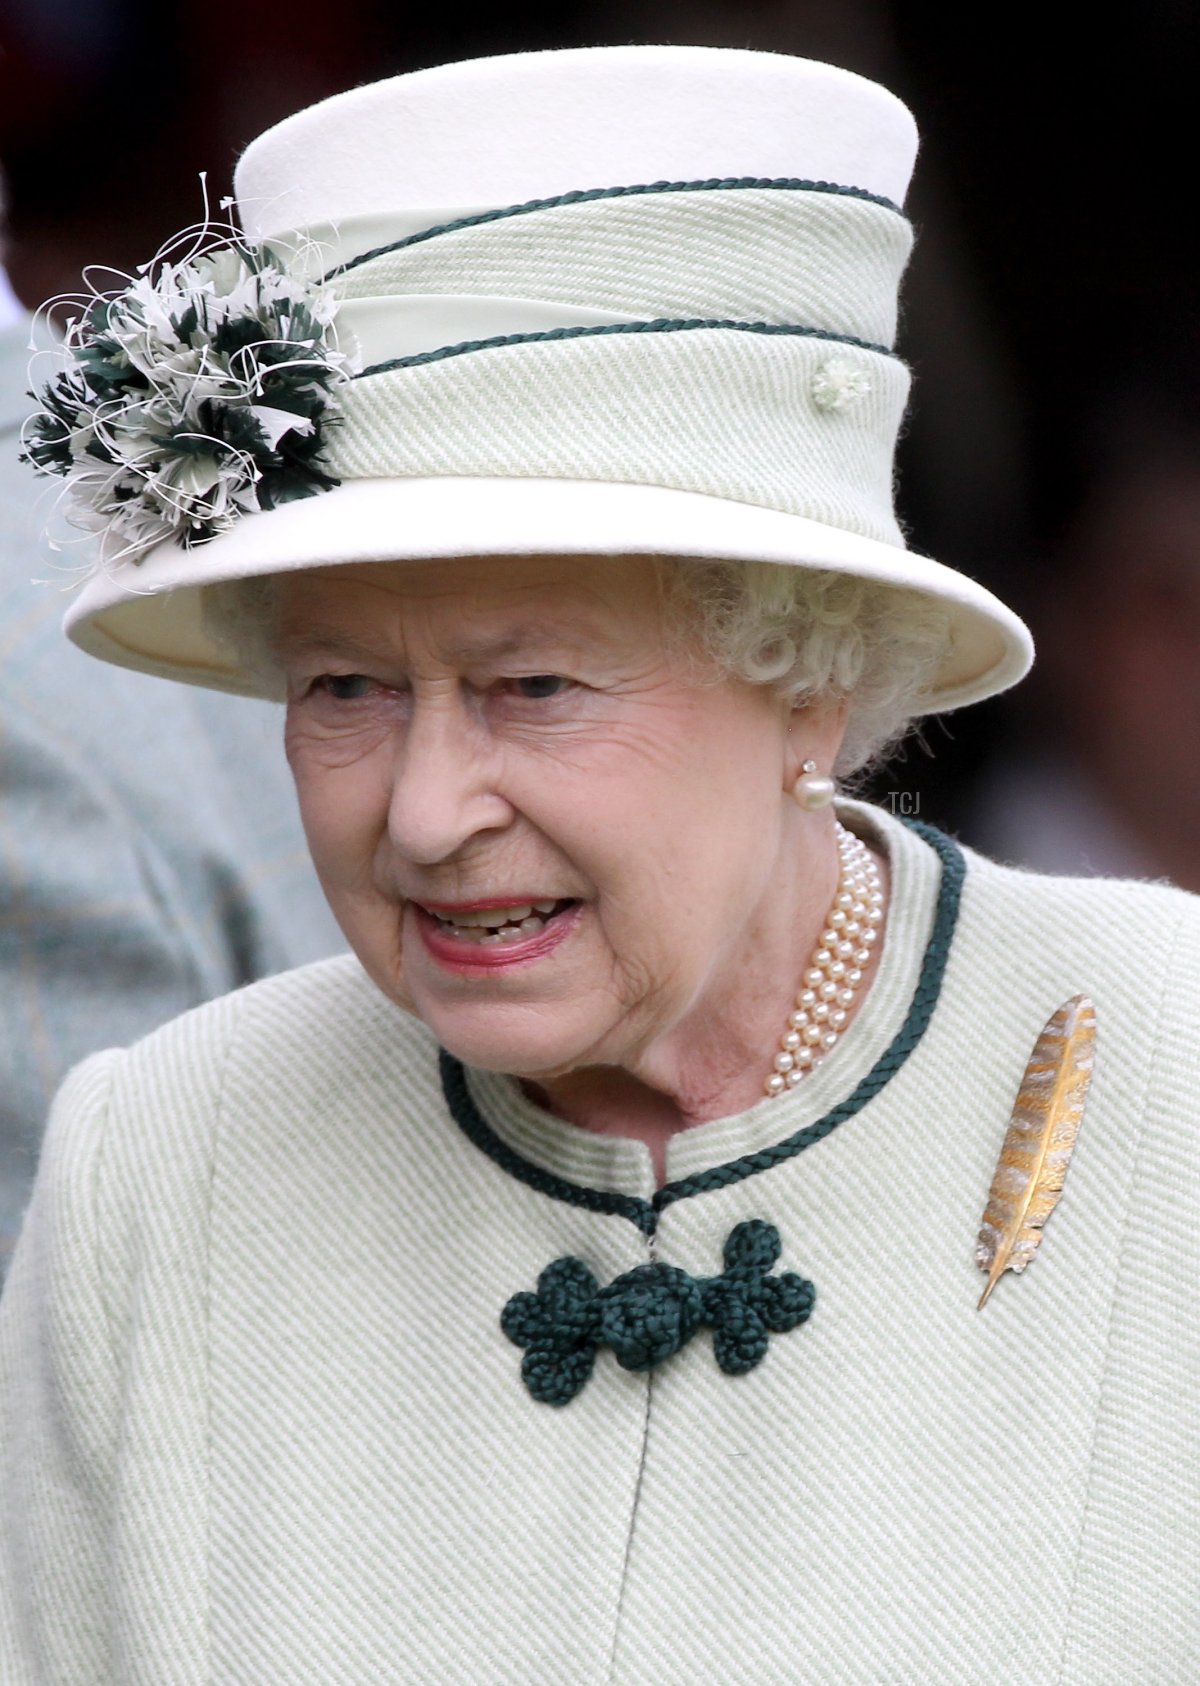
pixel 645 1213
pixel 582 196
pixel 661 326
pixel 752 256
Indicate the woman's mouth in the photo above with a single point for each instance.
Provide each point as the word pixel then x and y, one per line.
pixel 499 934
pixel 491 926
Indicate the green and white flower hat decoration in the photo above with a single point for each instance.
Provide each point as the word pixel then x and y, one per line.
pixel 198 393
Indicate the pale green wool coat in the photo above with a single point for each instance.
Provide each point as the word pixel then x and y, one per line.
pixel 261 1424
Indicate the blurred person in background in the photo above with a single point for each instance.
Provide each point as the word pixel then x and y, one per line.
pixel 151 854
pixel 1104 773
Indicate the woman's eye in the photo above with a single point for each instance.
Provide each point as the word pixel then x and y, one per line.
pixel 346 687
pixel 536 686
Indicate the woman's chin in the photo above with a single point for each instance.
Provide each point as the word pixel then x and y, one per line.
pixel 538 1043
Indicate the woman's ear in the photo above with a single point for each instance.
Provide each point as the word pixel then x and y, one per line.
pixel 814 733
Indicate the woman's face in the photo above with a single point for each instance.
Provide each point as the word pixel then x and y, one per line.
pixel 504 748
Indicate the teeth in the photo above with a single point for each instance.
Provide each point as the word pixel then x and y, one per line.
pixel 497 916
pixel 491 917
pixel 498 924
pixel 509 933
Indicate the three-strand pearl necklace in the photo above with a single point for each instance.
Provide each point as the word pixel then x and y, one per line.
pixel 833 978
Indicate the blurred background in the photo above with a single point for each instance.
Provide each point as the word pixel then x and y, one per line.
pixel 1051 450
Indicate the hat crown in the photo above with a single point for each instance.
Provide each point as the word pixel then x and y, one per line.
pixel 498 131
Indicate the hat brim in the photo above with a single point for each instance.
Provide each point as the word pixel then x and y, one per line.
pixel 148 616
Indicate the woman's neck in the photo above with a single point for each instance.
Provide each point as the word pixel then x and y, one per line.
pixel 713 1064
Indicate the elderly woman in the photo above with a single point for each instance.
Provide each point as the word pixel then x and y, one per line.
pixel 581 1282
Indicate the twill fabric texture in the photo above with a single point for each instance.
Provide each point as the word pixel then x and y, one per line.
pixel 593 407
pixel 764 254
pixel 629 406
pixel 260 1422
pixel 151 855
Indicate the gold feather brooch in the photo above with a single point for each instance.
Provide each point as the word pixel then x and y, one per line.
pixel 1039 1141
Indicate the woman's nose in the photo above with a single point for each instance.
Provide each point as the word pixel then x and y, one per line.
pixel 444 785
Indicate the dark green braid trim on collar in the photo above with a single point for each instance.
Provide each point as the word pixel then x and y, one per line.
pixel 578 197
pixel 644 1213
pixel 473 1124
pixel 916 1022
pixel 660 325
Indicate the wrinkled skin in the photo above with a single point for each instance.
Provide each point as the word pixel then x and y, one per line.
pixel 518 728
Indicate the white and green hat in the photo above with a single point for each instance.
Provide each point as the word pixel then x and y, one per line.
pixel 608 300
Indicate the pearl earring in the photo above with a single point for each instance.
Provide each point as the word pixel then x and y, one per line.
pixel 813 789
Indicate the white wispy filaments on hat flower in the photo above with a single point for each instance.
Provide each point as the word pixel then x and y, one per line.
pixel 198 393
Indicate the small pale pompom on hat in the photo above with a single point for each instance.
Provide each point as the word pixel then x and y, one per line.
pixel 617 300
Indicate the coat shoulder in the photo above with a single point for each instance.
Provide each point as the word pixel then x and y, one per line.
pixel 257 1051
pixel 1029 941
pixel 303 1015
pixel 1121 908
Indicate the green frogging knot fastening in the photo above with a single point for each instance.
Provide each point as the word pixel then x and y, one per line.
pixel 652 1311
